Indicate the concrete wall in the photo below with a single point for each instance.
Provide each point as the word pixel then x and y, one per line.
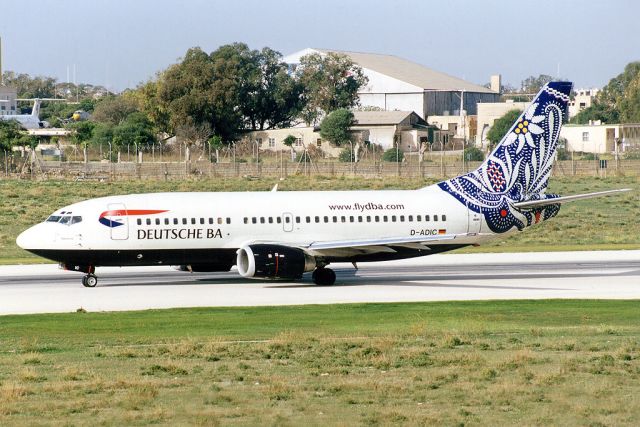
pixel 590 138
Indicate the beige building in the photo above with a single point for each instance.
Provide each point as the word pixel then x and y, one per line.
pixel 489 112
pixel 582 99
pixel 601 138
pixel 383 128
pixel 8 105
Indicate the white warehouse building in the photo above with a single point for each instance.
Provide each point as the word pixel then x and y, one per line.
pixel 396 84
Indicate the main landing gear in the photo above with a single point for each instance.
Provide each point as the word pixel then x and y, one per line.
pixel 323 276
pixel 89 281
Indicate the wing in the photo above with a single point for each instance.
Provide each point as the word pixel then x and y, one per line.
pixel 341 248
pixel 532 204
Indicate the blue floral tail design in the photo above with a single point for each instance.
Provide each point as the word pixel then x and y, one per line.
pixel 519 167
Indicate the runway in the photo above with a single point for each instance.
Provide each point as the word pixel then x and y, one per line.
pixel 591 275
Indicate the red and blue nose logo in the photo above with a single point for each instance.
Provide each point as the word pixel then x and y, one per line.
pixel 108 217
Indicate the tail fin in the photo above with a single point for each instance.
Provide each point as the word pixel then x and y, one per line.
pixel 35 111
pixel 518 169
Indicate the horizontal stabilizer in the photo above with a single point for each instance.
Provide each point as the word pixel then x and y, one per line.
pixel 532 204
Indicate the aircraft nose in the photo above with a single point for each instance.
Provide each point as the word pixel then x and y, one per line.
pixel 28 239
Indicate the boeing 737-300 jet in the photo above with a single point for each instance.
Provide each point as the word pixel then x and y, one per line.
pixel 281 235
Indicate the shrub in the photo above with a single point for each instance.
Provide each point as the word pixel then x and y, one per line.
pixel 393 155
pixel 346 155
pixel 473 154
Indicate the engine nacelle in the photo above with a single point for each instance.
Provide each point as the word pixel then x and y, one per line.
pixel 273 261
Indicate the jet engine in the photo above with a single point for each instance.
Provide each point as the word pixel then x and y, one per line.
pixel 273 261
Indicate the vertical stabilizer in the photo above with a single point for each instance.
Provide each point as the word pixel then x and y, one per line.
pixel 519 167
pixel 35 111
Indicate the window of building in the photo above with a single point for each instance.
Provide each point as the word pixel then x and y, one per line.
pixel 272 142
pixel 298 142
pixel 319 142
pixel 585 136
pixel 259 141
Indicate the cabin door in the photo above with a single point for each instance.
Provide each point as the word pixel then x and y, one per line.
pixel 287 222
pixel 118 221
pixel 474 221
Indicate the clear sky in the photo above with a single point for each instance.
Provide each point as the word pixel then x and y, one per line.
pixel 120 43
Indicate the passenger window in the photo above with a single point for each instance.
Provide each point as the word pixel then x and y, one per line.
pixel 254 220
pixel 201 220
pixel 335 219
pixel 287 219
pixel 308 219
pixel 377 218
pixel 270 220
pixel 317 219
pixel 419 218
pixel 246 220
pixel 219 220
pixel 166 221
pixel 401 218
pixel 228 220
pixel 426 218
pixel 278 220
pixel 184 221
pixel 444 217
pixel 368 218
pixel 210 220
pixel 297 220
pixel 343 219
pixel 359 218
pixel 435 217
pixel 351 219
pixel 193 221
pixel 139 221
pixel 384 218
pixel 326 219
pixel 148 221
pixel 393 218
pixel 410 218
pixel 261 220
pixel 157 221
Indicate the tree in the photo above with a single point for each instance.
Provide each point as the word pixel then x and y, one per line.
pixel 82 134
pixel 330 81
pixel 335 128
pixel 618 101
pixel 114 110
pixel 533 84
pixel 473 154
pixel 10 133
pixel 502 125
pixel 136 129
pixel 270 97
pixel 289 140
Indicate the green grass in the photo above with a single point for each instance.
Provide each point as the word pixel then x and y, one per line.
pixel 606 223
pixel 489 363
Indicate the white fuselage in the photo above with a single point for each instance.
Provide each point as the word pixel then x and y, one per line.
pixel 193 221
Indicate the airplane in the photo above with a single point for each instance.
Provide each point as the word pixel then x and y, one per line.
pixel 28 121
pixel 282 235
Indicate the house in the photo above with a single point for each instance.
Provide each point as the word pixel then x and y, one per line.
pixel 596 137
pixel 384 128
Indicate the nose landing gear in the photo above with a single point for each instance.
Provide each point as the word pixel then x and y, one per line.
pixel 323 276
pixel 89 281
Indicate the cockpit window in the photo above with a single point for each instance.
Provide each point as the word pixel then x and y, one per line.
pixel 54 218
pixel 65 219
pixel 76 219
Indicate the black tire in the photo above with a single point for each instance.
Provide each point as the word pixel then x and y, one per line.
pixel 89 281
pixel 324 276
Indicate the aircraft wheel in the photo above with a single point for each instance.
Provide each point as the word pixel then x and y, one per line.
pixel 324 276
pixel 89 281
